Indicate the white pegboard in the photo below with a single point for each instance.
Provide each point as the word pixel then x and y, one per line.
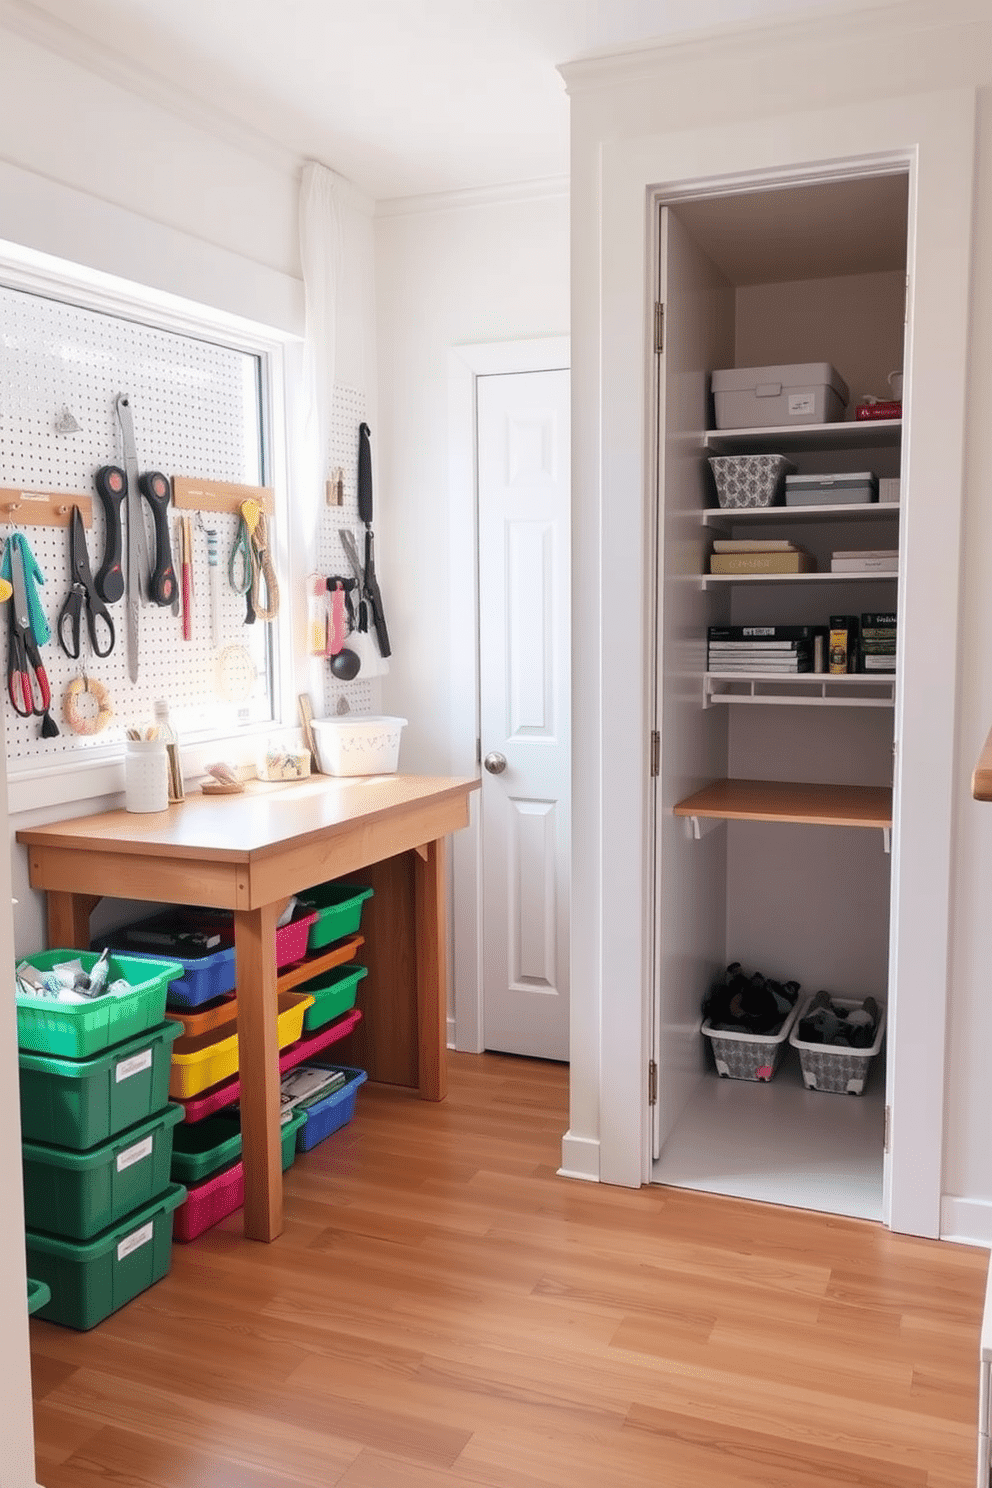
pixel 347 412
pixel 196 412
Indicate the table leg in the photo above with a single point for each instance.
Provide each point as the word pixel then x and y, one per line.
pixel 258 1051
pixel 69 919
pixel 431 940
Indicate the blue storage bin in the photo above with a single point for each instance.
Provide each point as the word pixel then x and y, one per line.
pixel 334 1111
pixel 203 979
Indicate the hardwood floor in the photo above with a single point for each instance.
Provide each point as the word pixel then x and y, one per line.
pixel 442 1309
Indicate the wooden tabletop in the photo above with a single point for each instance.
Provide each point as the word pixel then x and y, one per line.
pixel 261 820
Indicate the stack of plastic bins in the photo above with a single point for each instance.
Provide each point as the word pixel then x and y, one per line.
pixel 97 1132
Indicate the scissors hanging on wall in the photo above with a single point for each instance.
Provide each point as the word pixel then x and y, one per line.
pixel 83 599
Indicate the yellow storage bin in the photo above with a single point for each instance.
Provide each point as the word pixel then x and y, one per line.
pixel 203 1060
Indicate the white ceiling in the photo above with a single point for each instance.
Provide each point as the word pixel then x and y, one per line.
pixel 402 97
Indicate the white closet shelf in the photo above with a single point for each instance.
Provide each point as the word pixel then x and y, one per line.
pixel 712 581
pixel 791 801
pixel 852 434
pixel 726 517
pixel 802 689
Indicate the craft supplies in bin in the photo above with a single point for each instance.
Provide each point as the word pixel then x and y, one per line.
pixel 338 908
pixel 333 993
pixel 207 1059
pixel 76 1030
pixel 91 1279
pixel 839 1069
pixel 358 744
pixel 77 1194
pixel 79 1102
pixel 213 1199
pixel 329 1113
pixel 202 941
pixel 744 481
pixel 747 1019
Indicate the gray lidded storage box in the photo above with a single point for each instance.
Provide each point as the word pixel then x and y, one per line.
pixel 852 488
pixel 770 397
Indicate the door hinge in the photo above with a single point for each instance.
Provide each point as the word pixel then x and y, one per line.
pixel 888 1128
pixel 659 327
pixel 905 308
pixel 655 752
pixel 478 751
pixel 652 1083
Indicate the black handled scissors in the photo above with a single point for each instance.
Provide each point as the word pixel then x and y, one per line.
pixel 83 596
pixel 27 682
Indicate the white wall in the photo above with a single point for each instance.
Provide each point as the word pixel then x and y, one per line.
pixel 444 277
pixel 726 84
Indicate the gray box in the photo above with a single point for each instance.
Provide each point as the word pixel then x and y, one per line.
pixel 771 397
pixel 888 489
pixel 852 488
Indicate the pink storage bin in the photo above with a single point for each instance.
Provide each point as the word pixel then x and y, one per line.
pixel 291 940
pixel 208 1203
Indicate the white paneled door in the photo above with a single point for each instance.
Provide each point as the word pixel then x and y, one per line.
pixel 524 660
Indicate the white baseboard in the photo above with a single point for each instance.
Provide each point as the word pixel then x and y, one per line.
pixel 968 1221
pixel 579 1158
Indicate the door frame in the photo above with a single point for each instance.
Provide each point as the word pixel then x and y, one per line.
pixel 935 130
pixel 466 364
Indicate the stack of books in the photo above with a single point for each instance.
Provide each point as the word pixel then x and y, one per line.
pixel 766 648
pixel 878 642
pixel 757 555
pixel 866 560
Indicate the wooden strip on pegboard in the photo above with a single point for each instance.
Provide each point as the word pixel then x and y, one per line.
pixel 221 496
pixel 42 508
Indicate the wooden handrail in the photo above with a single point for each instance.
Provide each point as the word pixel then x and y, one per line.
pixel 981 780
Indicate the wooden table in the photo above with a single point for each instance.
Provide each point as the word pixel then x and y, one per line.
pixel 248 853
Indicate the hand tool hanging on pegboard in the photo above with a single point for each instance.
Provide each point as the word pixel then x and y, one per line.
pixel 159 583
pixel 27 681
pixel 370 584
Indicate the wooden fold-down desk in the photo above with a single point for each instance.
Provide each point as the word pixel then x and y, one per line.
pixel 249 853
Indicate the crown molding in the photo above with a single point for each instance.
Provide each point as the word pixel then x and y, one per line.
pixel 827 25
pixel 34 24
pixel 545 188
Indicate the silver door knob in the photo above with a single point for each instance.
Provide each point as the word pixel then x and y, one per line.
pixel 495 763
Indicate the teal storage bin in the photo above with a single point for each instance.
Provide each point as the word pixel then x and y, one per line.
pixel 339 912
pixel 79 1102
pixel 90 1279
pixel 207 1147
pixel 38 1295
pixel 76 1030
pixel 78 1194
pixel 333 993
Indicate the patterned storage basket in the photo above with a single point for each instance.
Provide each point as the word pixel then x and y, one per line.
pixel 748 1056
pixel 834 1068
pixel 749 480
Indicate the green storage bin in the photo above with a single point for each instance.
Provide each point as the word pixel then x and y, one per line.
pixel 38 1295
pixel 76 1030
pixel 203 1148
pixel 333 993
pixel 339 912
pixel 90 1279
pixel 78 1194
pixel 79 1102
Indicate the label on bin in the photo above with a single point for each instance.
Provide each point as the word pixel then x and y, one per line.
pixel 133 1066
pixel 801 403
pixel 135 1154
pixel 136 1241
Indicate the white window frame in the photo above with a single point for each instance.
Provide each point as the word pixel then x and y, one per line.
pixel 43 785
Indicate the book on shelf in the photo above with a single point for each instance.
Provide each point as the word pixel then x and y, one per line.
pixel 754 545
pixel 872 561
pixel 763 664
pixel 879 662
pixel 765 648
pixel 796 562
pixel 766 634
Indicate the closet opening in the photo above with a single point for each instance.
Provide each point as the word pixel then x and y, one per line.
pixel 792 882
